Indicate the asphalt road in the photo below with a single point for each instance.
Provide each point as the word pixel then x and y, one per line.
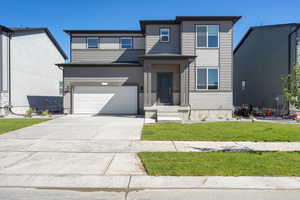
pixel 175 194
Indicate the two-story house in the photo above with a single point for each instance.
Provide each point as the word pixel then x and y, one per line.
pixel 262 57
pixel 29 77
pixel 178 68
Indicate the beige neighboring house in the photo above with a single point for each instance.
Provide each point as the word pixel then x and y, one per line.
pixel 177 69
pixel 28 75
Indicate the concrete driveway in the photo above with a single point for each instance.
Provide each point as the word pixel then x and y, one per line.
pixel 70 146
pixel 83 127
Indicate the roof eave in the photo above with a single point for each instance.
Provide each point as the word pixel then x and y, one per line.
pixel 97 64
pixel 103 31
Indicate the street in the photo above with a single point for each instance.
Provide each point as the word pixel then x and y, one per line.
pixel 175 194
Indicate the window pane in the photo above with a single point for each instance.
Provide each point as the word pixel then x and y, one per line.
pixel 164 38
pixel 164 34
pixel 213 79
pixel 201 78
pixel 126 43
pixel 92 42
pixel 201 36
pixel 213 32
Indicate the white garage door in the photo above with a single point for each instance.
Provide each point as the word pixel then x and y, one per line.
pixel 105 100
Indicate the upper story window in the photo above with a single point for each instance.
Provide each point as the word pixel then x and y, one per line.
pixel 126 43
pixel 164 35
pixel 92 42
pixel 207 36
pixel 208 78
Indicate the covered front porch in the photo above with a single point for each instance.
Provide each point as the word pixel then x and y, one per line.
pixel 166 84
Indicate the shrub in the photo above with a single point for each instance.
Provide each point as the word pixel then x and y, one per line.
pixel 29 112
pixel 45 113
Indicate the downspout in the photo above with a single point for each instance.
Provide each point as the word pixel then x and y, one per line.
pixel 289 55
pixel 10 106
pixel 190 107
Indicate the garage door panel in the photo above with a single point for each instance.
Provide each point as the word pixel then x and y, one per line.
pixel 105 100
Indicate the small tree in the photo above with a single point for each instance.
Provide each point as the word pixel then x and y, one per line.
pixel 291 87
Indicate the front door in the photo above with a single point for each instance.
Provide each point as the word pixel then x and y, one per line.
pixel 164 88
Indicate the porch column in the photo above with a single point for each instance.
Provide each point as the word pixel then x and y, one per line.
pixel 184 84
pixel 147 85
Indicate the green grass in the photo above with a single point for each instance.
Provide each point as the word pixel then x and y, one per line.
pixel 221 163
pixel 223 131
pixel 7 125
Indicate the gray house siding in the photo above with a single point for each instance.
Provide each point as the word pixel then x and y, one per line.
pixel 108 50
pixel 298 48
pixel 261 61
pixel 107 55
pixel 221 57
pixel 188 44
pixel 154 46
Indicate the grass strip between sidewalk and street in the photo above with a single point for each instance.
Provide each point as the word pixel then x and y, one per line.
pixel 221 163
pixel 223 131
pixel 7 125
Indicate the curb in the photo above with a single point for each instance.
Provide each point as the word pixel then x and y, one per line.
pixel 149 182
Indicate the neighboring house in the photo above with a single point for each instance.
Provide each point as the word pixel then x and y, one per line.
pixel 29 77
pixel 178 68
pixel 260 59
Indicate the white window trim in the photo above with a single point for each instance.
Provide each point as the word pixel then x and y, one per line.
pixel 207 78
pixel 199 25
pixel 120 41
pixel 87 42
pixel 160 34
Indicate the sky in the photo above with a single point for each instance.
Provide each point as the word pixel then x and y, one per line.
pixel 58 15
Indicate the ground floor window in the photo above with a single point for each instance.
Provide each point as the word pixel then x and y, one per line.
pixel 207 78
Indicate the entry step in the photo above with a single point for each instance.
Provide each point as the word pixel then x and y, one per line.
pixel 167 119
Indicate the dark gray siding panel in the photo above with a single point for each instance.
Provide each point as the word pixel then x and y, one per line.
pixel 260 61
pixel 118 55
pixel 111 75
pixel 154 46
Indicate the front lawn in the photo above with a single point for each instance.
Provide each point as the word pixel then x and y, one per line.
pixel 221 163
pixel 223 131
pixel 7 125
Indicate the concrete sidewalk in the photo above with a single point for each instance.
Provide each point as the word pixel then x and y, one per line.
pixel 127 183
pixel 134 146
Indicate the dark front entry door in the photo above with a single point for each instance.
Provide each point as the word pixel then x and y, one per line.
pixel 164 88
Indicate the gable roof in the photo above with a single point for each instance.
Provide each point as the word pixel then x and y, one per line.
pixel 260 27
pixel 49 34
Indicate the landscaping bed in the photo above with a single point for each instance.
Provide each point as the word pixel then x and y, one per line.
pixel 223 131
pixel 221 163
pixel 7 125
